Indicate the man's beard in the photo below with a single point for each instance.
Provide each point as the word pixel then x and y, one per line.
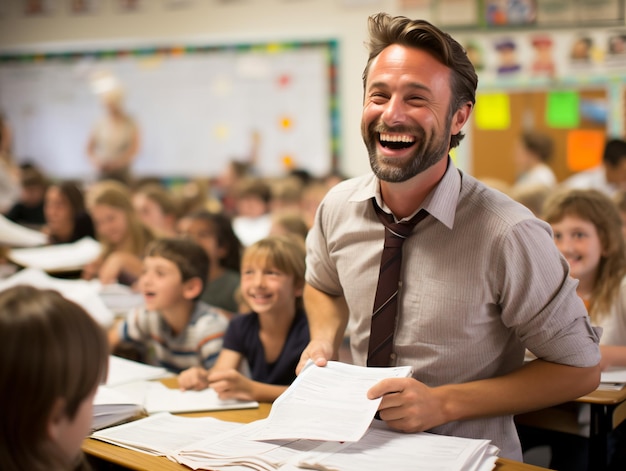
pixel 426 153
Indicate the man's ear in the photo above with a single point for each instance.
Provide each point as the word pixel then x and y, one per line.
pixel 460 117
pixel 192 288
pixel 56 419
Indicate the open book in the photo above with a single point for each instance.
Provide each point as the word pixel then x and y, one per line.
pixel 208 443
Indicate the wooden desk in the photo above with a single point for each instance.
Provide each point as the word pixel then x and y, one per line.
pixel 141 462
pixel 603 405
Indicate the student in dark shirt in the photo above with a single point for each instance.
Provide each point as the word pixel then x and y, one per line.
pixel 65 215
pixel 28 210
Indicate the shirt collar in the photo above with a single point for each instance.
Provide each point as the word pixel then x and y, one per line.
pixel 440 203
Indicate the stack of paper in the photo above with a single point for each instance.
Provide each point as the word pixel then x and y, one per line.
pixel 111 407
pixel 343 441
pixel 613 379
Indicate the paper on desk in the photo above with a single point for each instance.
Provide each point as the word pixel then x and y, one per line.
pixel 160 398
pixel 82 292
pixel 327 403
pixel 613 375
pixel 16 235
pixel 60 257
pixel 123 371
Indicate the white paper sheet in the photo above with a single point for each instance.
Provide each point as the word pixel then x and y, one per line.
pixel 16 235
pixel 123 371
pixel 82 292
pixel 327 403
pixel 61 257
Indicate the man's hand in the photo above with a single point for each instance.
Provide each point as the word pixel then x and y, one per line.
pixel 408 405
pixel 318 351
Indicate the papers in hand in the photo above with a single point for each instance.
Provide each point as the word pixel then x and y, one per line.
pixel 58 258
pixel 327 403
pixel 16 235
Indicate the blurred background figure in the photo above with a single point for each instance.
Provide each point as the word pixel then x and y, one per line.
pixel 66 218
pixel 156 208
pixel 533 151
pixel 28 209
pixel 114 140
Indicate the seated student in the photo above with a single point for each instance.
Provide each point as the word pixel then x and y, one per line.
pixel 28 210
pixel 270 338
pixel 54 355
pixel 119 230
pixel 289 222
pixel 156 209
pixel 253 219
pixel 588 232
pixel 214 233
pixel 533 151
pixel 67 219
pixel 177 330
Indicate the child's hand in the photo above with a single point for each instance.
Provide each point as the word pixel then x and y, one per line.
pixel 194 378
pixel 230 384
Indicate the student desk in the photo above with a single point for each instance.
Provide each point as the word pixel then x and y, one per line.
pixel 603 405
pixel 140 461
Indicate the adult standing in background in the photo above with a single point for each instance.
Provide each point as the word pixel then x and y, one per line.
pixel 9 173
pixel 481 278
pixel 114 140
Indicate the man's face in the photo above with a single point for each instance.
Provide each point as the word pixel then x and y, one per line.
pixel 406 124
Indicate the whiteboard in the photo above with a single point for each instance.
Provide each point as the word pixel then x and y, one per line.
pixel 196 110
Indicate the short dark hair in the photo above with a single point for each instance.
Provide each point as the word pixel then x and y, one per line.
pixel 614 152
pixel 385 30
pixel 191 259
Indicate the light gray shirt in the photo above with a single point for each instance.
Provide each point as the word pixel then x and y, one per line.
pixel 482 281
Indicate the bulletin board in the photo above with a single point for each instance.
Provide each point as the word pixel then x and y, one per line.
pixel 197 107
pixel 493 146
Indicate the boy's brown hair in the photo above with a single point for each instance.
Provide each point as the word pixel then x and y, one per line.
pixel 191 259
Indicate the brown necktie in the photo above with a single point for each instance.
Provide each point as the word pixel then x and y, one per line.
pixel 386 300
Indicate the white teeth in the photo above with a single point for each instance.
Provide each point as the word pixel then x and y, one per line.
pixel 396 138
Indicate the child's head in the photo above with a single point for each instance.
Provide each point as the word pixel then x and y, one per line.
pixel 156 208
pixel 114 217
pixel 531 148
pixel 214 233
pixel 33 185
pixel 174 270
pixel 253 197
pixel 272 273
pixel 64 201
pixel 54 356
pixel 588 231
pixel 289 222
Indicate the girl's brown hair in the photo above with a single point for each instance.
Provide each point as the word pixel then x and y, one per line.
pixel 117 195
pixel 597 208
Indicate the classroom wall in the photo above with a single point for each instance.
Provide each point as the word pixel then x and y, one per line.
pixel 220 22
pixel 225 22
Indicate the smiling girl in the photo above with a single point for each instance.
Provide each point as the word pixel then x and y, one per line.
pixel 272 337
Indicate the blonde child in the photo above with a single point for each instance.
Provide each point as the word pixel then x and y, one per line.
pixel 214 233
pixel 156 209
pixel 270 338
pixel 588 232
pixel 119 230
pixel 177 330
pixel 54 356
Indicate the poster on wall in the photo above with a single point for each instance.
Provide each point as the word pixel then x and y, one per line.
pixel 83 7
pixel 33 8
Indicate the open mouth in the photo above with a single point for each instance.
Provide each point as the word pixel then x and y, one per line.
pixel 396 141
